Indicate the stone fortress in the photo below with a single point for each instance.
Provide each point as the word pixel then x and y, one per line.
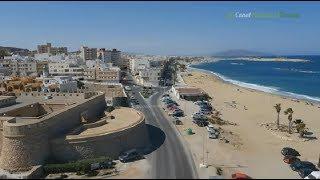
pixel 65 127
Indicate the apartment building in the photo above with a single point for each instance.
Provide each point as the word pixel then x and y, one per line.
pixel 64 69
pixel 102 73
pixel 23 68
pixel 104 55
pixel 149 76
pixel 137 64
pixel 5 67
pixel 88 53
pixel 116 57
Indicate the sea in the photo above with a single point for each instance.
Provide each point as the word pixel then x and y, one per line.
pixel 299 80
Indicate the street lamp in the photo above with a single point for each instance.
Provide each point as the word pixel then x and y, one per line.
pixel 203 164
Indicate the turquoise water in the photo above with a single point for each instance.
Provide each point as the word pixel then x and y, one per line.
pixel 300 80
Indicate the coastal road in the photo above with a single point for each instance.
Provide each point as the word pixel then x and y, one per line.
pixel 170 159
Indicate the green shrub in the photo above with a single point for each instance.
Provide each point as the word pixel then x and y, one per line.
pixel 92 173
pixel 83 165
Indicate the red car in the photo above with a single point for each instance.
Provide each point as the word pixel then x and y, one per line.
pixel 290 159
pixel 172 108
pixel 239 175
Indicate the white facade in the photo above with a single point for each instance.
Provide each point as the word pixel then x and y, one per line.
pixel 149 77
pixel 139 64
pixel 42 57
pixel 23 68
pixel 64 69
pixel 99 71
pixel 59 83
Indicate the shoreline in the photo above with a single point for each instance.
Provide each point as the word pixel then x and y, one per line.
pixel 268 90
pixel 253 144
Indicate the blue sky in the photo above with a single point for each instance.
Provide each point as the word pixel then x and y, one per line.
pixel 185 28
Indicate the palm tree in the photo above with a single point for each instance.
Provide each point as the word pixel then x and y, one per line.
pixel 301 128
pixel 278 109
pixel 289 112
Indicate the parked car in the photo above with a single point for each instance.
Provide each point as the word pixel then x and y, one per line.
pixel 172 108
pixel 163 99
pixel 177 121
pixel 289 151
pixel 167 99
pixel 178 113
pixel 177 110
pixel 200 122
pixel 239 175
pixel 132 154
pixel 172 103
pixel 313 175
pixel 166 95
pixel 199 116
pixel 127 88
pixel 210 128
pixel 201 102
pixel 290 159
pixel 304 172
pixel 297 165
pixel 213 135
pixel 48 97
pixel 205 112
pixel 206 108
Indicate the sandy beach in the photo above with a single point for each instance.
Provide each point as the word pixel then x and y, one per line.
pixel 256 149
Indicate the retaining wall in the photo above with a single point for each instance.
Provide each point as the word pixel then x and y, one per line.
pixel 109 144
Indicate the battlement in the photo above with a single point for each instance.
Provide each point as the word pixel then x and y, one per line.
pixel 27 133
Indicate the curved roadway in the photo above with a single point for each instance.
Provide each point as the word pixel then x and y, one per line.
pixel 171 159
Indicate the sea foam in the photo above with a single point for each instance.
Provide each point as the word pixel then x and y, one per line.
pixel 267 89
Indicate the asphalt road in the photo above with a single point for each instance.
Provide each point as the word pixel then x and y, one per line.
pixel 169 158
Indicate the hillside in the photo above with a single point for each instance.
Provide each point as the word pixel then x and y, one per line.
pixel 5 51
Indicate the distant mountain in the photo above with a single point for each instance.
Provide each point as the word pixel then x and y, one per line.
pixel 241 53
pixel 13 50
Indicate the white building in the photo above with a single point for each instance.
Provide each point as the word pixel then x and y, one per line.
pixel 64 69
pixel 59 84
pixel 49 57
pixel 149 76
pixel 98 71
pixel 23 68
pixel 139 64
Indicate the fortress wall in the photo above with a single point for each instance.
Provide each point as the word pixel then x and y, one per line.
pixel 32 110
pixel 79 94
pixel 26 145
pixel 57 122
pixel 20 154
pixel 111 144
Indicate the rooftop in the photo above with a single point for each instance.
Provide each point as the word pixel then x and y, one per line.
pixel 124 118
pixel 189 90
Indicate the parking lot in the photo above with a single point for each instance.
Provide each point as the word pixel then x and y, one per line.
pixel 199 139
pixel 197 112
